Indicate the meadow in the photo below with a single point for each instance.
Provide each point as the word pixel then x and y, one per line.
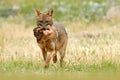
pixel 93 48
pixel 90 48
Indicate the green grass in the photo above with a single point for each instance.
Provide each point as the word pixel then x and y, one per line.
pixel 29 66
pixel 34 71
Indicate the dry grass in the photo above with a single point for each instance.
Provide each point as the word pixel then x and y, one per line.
pixel 94 43
pixel 88 44
pixel 17 42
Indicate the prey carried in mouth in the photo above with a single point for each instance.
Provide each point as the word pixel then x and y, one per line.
pixel 44 31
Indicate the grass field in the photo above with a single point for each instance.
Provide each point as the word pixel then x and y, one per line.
pixel 91 48
pixel 92 51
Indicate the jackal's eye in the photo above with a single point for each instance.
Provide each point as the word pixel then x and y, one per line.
pixel 46 21
pixel 40 21
pixel 39 24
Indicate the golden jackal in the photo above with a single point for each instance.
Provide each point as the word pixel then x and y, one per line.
pixel 50 37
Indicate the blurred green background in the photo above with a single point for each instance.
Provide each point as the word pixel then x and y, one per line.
pixel 64 10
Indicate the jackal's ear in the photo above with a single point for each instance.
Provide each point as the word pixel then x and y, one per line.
pixel 38 12
pixel 50 12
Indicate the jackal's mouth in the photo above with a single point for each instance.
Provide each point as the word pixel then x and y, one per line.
pixel 46 31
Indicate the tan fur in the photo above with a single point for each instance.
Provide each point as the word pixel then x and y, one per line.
pixel 54 42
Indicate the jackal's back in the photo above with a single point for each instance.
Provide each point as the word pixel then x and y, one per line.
pixel 62 36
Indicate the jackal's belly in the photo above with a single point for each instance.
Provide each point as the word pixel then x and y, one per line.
pixel 48 46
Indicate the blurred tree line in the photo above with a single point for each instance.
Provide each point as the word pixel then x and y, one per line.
pixel 85 10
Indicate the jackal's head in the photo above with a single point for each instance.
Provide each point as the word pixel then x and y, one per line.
pixel 44 19
pixel 44 22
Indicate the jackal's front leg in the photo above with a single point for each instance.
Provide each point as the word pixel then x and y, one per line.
pixel 51 55
pixel 44 53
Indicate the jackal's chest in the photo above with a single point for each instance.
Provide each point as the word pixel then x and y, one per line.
pixel 47 45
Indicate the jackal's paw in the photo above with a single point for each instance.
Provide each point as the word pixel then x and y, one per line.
pixel 46 66
pixel 54 60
